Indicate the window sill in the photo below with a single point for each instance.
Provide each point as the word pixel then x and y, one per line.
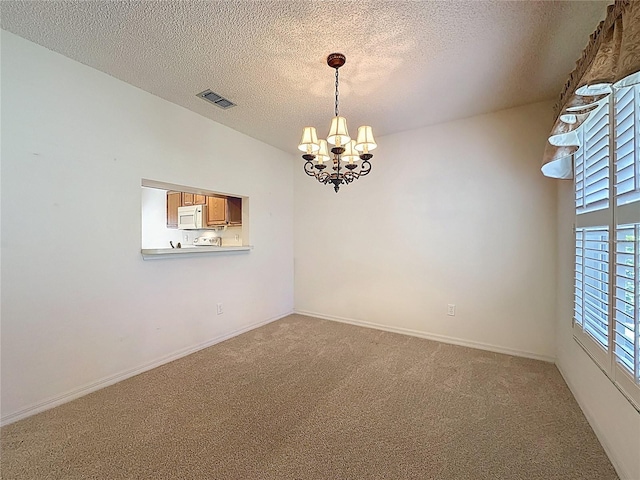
pixel 156 253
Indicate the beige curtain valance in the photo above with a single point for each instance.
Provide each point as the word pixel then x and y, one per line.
pixel 611 60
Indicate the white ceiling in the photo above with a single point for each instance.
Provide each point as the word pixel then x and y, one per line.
pixel 409 63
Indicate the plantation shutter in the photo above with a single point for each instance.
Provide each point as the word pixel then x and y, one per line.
pixel 626 311
pixel 626 136
pixel 592 283
pixel 627 270
pixel 592 304
pixel 592 163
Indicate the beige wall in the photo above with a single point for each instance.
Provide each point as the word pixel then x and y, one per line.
pixel 80 307
pixel 615 421
pixel 454 213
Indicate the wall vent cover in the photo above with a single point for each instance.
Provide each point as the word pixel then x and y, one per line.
pixel 216 99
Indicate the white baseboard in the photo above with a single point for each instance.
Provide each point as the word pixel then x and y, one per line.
pixel 432 336
pixel 118 377
pixel 619 468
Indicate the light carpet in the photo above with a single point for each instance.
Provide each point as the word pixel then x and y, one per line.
pixel 303 398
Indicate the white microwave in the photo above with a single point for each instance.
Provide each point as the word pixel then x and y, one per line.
pixel 191 217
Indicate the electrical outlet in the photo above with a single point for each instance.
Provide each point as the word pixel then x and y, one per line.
pixel 237 237
pixel 186 238
pixel 219 309
pixel 451 310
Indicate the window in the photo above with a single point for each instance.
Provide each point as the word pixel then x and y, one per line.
pixel 607 238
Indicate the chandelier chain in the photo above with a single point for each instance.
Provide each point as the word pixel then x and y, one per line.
pixel 336 92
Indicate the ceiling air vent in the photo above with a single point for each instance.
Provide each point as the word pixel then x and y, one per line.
pixel 216 99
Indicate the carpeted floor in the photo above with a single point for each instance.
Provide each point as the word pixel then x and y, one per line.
pixel 303 398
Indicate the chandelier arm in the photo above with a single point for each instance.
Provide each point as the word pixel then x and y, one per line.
pixel 365 168
pixel 308 168
pixel 350 175
pixel 323 177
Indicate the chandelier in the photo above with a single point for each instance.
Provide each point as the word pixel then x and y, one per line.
pixel 346 152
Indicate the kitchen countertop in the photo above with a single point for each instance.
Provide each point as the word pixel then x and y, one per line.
pixel 154 253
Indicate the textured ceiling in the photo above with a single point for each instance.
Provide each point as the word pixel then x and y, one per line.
pixel 409 63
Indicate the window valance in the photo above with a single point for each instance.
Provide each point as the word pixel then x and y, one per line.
pixel 611 60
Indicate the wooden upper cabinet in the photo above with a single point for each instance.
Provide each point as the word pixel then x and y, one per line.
pixel 174 200
pixel 187 199
pixel 216 211
pixel 234 211
pixel 193 199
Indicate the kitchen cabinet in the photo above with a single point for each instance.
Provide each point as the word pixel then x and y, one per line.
pixel 174 200
pixel 193 199
pixel 216 211
pixel 224 211
pixel 234 211
pixel 187 199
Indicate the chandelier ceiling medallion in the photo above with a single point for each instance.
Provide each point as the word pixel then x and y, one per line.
pixel 346 152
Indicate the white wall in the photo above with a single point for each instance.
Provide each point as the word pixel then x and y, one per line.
pixel 155 233
pixel 79 304
pixel 614 420
pixel 454 213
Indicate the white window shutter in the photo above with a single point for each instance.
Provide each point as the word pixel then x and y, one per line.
pixel 607 248
pixel 592 283
pixel 594 194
